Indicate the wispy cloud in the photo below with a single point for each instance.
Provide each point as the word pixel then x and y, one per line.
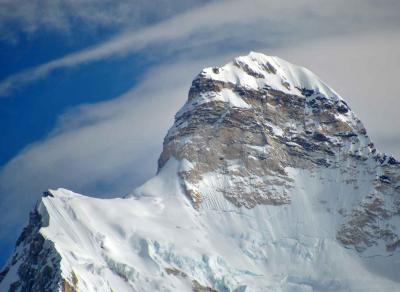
pixel 251 21
pixel 28 17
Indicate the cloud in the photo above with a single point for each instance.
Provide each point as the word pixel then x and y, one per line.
pixel 28 17
pixel 257 21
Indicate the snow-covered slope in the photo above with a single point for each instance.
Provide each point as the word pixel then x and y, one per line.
pixel 267 182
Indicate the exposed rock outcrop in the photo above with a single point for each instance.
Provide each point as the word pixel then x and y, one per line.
pixel 249 131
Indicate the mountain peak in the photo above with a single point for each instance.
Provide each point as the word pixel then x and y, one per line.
pixel 267 181
pixel 253 118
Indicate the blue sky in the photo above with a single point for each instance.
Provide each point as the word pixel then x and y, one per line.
pixel 87 91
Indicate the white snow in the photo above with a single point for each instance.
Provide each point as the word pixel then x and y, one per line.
pixel 296 76
pixel 126 244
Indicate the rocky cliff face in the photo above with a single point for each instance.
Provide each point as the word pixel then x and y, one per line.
pixel 35 264
pixel 267 180
pixel 247 122
pixel 237 126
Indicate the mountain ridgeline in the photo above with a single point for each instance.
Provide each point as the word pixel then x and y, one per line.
pixel 267 182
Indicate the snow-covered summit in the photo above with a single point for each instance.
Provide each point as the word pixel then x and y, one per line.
pixel 259 115
pixel 267 182
pixel 257 71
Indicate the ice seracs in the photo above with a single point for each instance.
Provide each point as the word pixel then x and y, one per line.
pixel 267 182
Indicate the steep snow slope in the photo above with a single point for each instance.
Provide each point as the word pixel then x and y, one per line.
pixel 267 182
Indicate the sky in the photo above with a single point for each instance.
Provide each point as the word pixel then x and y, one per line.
pixel 88 89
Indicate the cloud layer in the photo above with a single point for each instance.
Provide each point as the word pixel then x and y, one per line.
pixel 29 17
pixel 253 21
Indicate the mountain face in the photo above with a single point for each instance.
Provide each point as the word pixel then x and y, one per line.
pixel 267 182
